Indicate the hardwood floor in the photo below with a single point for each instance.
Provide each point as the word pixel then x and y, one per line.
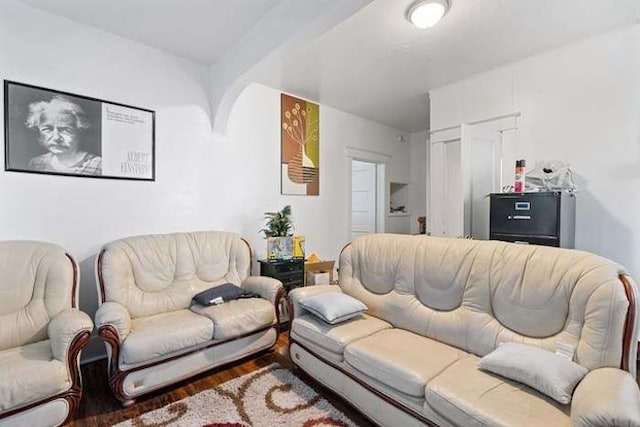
pixel 99 408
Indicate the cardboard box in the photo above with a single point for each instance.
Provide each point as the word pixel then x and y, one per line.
pixel 318 279
pixel 318 267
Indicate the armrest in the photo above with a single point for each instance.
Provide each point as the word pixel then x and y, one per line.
pixel 116 315
pixel 300 293
pixel 606 397
pixel 64 328
pixel 267 287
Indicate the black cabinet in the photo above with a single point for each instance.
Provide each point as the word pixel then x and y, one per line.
pixel 545 218
pixel 289 272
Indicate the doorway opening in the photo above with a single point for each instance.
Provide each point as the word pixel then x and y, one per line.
pixel 363 198
pixel 367 197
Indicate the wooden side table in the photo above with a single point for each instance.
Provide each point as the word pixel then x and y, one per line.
pixel 290 272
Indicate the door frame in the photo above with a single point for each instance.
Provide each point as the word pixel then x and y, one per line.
pixel 445 135
pixel 381 161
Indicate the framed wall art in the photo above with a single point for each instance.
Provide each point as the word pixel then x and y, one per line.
pixel 52 132
pixel 300 146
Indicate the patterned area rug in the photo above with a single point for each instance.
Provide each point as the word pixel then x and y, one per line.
pixel 272 396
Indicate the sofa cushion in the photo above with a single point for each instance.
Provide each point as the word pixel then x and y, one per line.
pixel 333 307
pixel 549 373
pixel 163 334
pixel 467 396
pixel 30 373
pixel 238 317
pixel 400 359
pixel 335 337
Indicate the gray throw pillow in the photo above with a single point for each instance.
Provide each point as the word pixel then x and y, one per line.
pixel 549 373
pixel 333 307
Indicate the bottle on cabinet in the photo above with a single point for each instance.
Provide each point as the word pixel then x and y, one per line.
pixel 518 186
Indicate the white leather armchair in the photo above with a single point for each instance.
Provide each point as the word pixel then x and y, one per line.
pixel 42 334
pixel 145 285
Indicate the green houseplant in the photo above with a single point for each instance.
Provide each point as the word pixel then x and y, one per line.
pixel 278 231
pixel 278 224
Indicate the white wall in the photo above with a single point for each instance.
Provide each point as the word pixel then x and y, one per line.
pixel 418 182
pixel 579 103
pixel 252 149
pixel 81 214
pixel 223 183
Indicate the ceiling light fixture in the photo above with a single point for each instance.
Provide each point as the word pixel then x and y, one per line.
pixel 427 13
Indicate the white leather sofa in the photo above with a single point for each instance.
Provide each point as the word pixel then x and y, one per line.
pixel 145 287
pixel 437 305
pixel 41 334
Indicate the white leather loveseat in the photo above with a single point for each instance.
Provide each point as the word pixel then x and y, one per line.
pixel 41 334
pixel 437 305
pixel 145 286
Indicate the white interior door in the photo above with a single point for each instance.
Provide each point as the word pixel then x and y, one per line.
pixel 464 169
pixel 446 203
pixel 480 154
pixel 363 198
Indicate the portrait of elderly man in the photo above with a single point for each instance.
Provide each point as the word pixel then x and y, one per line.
pixel 61 125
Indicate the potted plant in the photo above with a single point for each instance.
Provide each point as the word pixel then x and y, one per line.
pixel 278 231
pixel 278 224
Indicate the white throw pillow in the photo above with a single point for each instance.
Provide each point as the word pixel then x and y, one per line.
pixel 549 373
pixel 333 307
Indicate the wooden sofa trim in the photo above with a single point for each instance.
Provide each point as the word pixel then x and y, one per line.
pixel 369 388
pixel 343 248
pixel 279 296
pixel 74 394
pixel 74 288
pixel 99 274
pixel 250 253
pixel 109 335
pixel 629 324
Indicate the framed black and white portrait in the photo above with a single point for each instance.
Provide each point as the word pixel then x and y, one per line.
pixel 53 132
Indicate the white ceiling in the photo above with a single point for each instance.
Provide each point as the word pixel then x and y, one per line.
pixel 377 65
pixel 201 30
pixel 374 64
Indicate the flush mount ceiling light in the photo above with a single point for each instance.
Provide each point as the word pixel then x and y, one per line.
pixel 427 13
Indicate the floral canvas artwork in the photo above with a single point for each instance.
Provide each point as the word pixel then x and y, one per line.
pixel 300 146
